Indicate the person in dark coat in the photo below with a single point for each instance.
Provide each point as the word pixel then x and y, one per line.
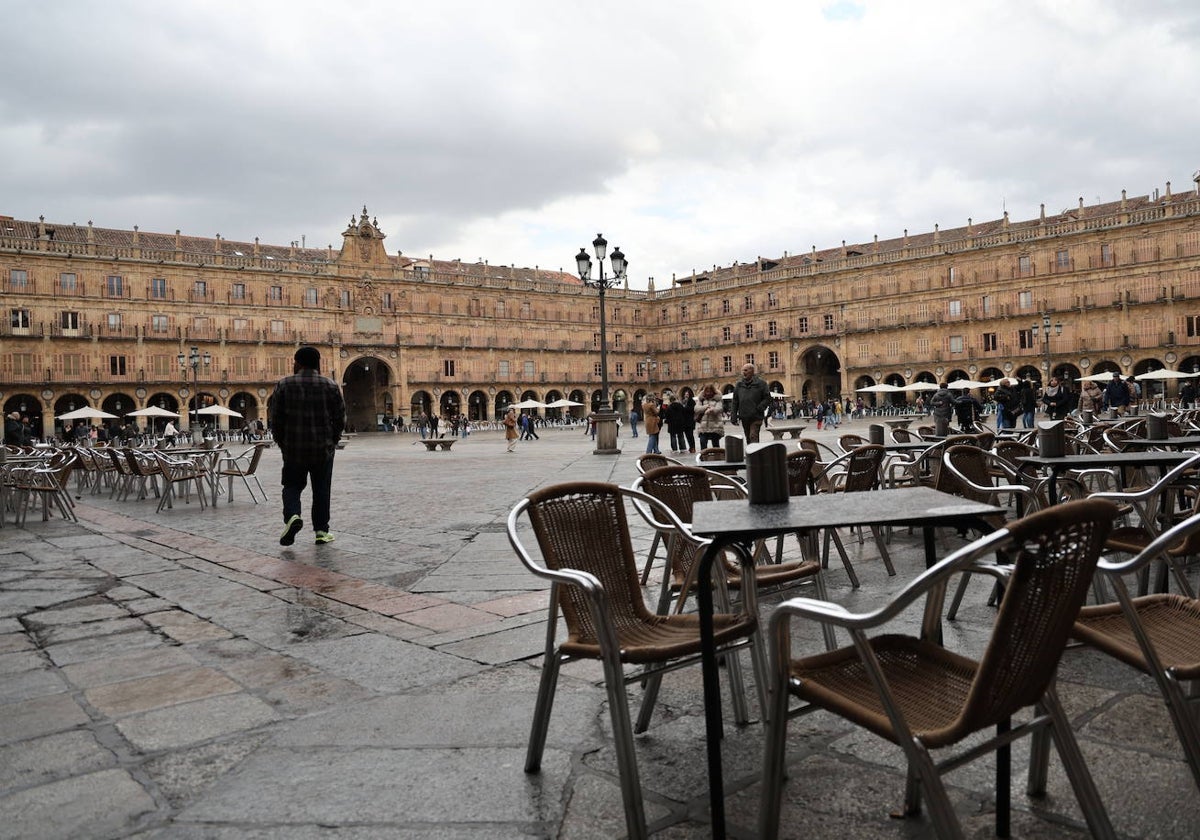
pixel 1116 395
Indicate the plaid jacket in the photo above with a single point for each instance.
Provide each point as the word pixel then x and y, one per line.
pixel 307 417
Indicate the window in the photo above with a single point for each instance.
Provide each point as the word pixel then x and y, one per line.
pixel 200 289
pixel 386 300
pixel 706 368
pixel 275 293
pixel 952 275
pixel 595 341
pixel 158 288
pixel 955 308
pixel 725 307
pixel 22 364
pixel 618 340
pixel 748 331
pixel 114 320
pixel 526 312
pixel 69 321
pixel 499 310
pixel 280 366
pixel 448 367
pixel 683 310
pixel 596 370
pixel 637 316
pixel 19 319
pixel 162 366
pixel 18 278
pixel 726 334
pixel 238 291
pixel 772 300
pixel 1193 326
pixel 663 316
pixel 704 308
pixel 1025 339
pixel 1106 255
pixel 773 360
pixel 528 370
pixel 158 323
pixel 1025 300
pixel 116 365
pixel 748 303
pixel 956 344
pixel 986 304
pixel 114 286
pixel 278 327
pixel 684 341
pixel 620 368
pixel 749 360
pixel 72 364
pixel 1024 265
pixel 241 365
pixel 241 325
pixel 922 345
pixel 200 325
pixel 802 324
pixel 773 329
pixel 989 342
pixel 1062 259
pixel 828 323
pixel 344 298
pixel 310 296
pixel 686 367
pixel 68 283
pixel 727 364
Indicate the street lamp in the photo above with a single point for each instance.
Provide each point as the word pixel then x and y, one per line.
pixel 193 360
pixel 606 420
pixel 1045 328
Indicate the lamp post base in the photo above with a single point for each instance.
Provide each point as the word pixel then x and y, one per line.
pixel 606 432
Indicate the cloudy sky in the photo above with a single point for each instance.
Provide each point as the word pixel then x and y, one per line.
pixel 690 133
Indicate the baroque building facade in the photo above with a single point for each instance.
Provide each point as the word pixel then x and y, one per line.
pixel 109 318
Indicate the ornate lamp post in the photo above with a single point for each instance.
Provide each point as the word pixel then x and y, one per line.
pixel 606 418
pixel 193 360
pixel 1045 329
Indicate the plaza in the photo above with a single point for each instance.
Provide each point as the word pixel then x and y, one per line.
pixel 181 675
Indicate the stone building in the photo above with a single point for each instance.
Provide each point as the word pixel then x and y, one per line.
pixel 109 318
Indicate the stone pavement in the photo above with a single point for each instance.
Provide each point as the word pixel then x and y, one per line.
pixel 181 675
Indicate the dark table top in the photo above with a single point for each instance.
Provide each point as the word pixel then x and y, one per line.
pixel 1109 459
pixel 1182 442
pixel 900 506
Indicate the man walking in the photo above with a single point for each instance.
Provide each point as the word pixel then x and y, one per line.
pixel 307 417
pixel 751 399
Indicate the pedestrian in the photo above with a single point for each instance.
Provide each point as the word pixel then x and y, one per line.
pixel 530 431
pixel 1056 399
pixel 651 422
pixel 941 405
pixel 307 415
pixel 510 429
pixel 688 399
pixel 1028 402
pixel 673 415
pixel 634 417
pixel 1116 395
pixel 170 433
pixel 12 431
pixel 710 417
pixel 751 399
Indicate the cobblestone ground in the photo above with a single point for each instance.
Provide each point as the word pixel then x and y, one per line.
pixel 182 675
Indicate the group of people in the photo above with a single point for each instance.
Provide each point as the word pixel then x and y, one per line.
pixel 18 429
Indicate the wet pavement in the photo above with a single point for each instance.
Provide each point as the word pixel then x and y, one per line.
pixel 182 675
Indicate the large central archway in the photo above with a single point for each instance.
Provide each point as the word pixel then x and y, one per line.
pixel 365 387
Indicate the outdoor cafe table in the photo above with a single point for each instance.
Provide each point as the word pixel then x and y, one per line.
pixel 1178 442
pixel 737 525
pixel 903 421
pixel 212 459
pixel 1060 464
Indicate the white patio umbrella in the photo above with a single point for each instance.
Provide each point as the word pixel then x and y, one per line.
pixel 528 404
pixel 564 403
pixel 968 383
pixel 920 386
pixel 1164 373
pixel 775 395
pixel 881 388
pixel 87 413
pixel 152 411
pixel 219 409
pixel 1104 376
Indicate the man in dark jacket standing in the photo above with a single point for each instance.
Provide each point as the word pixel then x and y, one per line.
pixel 307 417
pixel 1116 395
pixel 751 399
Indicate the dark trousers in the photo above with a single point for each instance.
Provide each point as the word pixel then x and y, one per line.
pixel 295 477
pixel 751 427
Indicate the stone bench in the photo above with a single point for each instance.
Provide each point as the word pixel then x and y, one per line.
pixel 792 430
pixel 439 443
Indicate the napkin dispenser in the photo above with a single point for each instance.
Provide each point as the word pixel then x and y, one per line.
pixel 735 448
pixel 1156 426
pixel 1051 438
pixel 766 474
pixel 875 433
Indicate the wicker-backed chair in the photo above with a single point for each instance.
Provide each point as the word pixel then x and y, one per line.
pixel 645 463
pixel 582 535
pixel 860 471
pixel 1157 634
pixel 245 467
pixel 921 696
pixel 710 453
pixel 179 471
pixel 902 436
pixel 847 442
pixel 49 483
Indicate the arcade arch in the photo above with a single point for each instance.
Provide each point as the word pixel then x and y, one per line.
pixel 366 388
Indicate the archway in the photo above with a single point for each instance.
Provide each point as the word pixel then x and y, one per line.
pixel 620 402
pixel 1190 364
pixel 118 404
pixel 503 400
pixel 28 406
pixel 1068 373
pixel 201 399
pixel 450 403
pixel 955 375
pixel 245 404
pixel 596 400
pixel 365 384
pixel 420 403
pixel 1029 372
pixel 822 370
pixel 990 374
pixel 64 404
pixel 477 405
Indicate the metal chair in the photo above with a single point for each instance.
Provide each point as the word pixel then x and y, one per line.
pixel 860 472
pixel 644 463
pixel 245 467
pixel 1158 634
pixel 920 696
pixel 582 535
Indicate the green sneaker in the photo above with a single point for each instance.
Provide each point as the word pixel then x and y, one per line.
pixel 293 526
pixel 324 537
